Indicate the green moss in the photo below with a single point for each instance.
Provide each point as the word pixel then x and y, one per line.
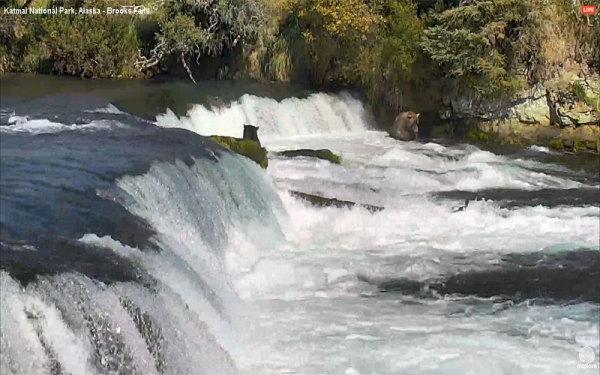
pixel 556 144
pixel 248 148
pixel 578 146
pixel 320 154
pixel 598 143
pixel 478 135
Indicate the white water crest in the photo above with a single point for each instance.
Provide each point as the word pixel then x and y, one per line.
pixel 110 108
pixel 318 114
pixel 542 149
pixel 24 124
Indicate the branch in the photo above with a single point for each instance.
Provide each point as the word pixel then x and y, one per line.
pixel 187 68
pixel 156 56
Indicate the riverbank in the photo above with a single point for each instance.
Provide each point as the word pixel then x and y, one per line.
pixel 561 113
pixel 524 76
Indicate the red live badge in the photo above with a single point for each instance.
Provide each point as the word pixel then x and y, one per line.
pixel 588 9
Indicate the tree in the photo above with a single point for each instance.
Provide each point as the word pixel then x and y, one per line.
pixel 475 45
pixel 388 67
pixel 325 37
pixel 192 28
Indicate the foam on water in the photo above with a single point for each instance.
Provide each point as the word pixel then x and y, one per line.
pixel 108 109
pixel 542 149
pixel 23 124
pixel 35 337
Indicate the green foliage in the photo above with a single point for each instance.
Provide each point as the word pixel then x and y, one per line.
pixel 581 93
pixel 578 146
pixel 371 43
pixel 19 50
pixel 392 65
pixel 91 46
pixel 124 46
pixel 278 60
pixel 477 134
pixel 191 28
pixel 476 46
pixel 556 144
pixel 324 38
pixel 486 49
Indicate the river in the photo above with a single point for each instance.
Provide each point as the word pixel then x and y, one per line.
pixel 131 246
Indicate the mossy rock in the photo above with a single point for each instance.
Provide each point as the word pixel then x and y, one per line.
pixel 478 135
pixel 556 144
pixel 578 145
pixel 246 147
pixel 318 201
pixel 320 154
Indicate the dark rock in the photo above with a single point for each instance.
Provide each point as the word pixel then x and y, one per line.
pixel 320 154
pixel 318 201
pixel 567 276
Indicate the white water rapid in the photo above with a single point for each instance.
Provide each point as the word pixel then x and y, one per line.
pixel 250 280
pixel 306 311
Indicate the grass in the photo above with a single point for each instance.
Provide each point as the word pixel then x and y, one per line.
pixel 581 93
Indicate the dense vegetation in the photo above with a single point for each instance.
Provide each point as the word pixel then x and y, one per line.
pixel 395 50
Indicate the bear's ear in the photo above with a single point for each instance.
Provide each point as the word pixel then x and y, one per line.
pixel 418 114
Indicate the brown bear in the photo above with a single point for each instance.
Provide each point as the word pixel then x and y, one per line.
pixel 251 133
pixel 404 124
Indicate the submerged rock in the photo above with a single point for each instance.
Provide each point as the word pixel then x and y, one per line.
pixel 324 154
pixel 566 276
pixel 318 201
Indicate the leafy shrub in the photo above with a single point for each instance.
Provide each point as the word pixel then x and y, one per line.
pixel 91 46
